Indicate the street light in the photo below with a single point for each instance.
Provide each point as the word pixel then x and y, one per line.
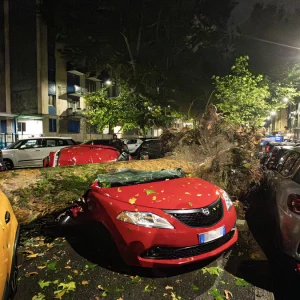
pixel 273 113
pixel 268 118
pixel 108 82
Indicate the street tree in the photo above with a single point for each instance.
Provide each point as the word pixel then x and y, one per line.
pixel 248 99
pixel 162 51
pixel 129 110
pixel 242 95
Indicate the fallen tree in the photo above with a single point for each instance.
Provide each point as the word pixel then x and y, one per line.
pixel 35 193
pixel 225 153
pixel 217 151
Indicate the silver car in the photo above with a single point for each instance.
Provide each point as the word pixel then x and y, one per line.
pixel 283 191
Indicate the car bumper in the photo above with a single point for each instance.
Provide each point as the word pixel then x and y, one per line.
pixel 290 233
pixel 180 245
pixel 193 253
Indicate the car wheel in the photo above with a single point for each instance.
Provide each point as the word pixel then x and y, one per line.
pixel 9 165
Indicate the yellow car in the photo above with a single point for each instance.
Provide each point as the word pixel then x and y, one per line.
pixel 9 236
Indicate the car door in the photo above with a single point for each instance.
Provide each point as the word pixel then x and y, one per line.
pixel 28 153
pixel 132 145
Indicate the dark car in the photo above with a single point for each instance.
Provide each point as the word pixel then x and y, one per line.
pixel 269 148
pixel 275 155
pixel 116 143
pixel 282 190
pixel 150 149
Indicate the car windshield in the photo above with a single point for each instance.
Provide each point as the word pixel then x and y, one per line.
pixel 130 177
pixel 15 145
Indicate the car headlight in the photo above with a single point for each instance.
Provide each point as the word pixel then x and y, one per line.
pixel 227 200
pixel 146 219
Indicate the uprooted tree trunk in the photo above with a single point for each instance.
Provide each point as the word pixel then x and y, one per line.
pixel 224 151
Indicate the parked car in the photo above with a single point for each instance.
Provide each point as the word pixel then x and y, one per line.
pixel 150 149
pixel 2 165
pixel 133 144
pixel 117 143
pixel 9 237
pixel 84 154
pixel 162 218
pixel 275 154
pixel 283 192
pixel 268 148
pixel 31 152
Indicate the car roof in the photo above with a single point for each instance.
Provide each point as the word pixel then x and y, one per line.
pixel 151 140
pixel 46 137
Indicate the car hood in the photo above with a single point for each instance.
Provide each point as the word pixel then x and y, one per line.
pixel 181 193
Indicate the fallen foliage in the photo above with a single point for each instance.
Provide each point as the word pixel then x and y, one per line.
pixel 224 152
pixel 34 193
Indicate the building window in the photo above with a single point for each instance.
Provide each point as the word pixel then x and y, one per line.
pixel 51 100
pixel 21 126
pixel 73 126
pixel 52 125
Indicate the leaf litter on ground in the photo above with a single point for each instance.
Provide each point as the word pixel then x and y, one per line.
pixel 212 270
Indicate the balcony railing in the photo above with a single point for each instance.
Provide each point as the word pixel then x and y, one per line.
pixel 76 90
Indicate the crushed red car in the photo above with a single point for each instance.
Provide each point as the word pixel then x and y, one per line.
pixel 162 218
pixel 84 154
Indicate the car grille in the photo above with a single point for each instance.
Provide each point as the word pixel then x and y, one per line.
pixel 176 253
pixel 200 217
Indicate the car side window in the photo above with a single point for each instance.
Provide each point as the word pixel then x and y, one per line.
pixel 29 144
pixel 296 177
pixel 62 142
pixel 131 142
pixel 288 166
pixel 49 143
pixel 282 161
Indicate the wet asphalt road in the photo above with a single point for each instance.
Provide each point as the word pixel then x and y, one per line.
pixel 102 275
pixel 87 266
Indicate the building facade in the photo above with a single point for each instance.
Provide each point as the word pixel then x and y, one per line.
pixel 40 92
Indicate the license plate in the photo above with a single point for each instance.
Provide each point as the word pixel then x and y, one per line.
pixel 212 235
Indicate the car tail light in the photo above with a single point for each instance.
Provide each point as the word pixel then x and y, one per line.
pixel 46 162
pixel 293 203
pixel 267 149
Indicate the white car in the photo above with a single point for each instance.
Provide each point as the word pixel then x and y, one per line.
pixel 133 144
pixel 31 152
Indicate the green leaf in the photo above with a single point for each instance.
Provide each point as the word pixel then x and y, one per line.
pixel 104 294
pixel 216 294
pixel 195 288
pixel 136 279
pixel 212 270
pixel 149 192
pixel 71 286
pixel 90 266
pixel 241 282
pixel 39 296
pixel 51 265
pixel 43 283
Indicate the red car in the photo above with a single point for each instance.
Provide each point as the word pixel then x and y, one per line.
pixel 163 218
pixel 84 154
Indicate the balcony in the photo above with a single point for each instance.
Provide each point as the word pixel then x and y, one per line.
pixel 74 69
pixel 77 91
pixel 75 112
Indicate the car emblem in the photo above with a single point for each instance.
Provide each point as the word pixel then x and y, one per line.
pixel 205 211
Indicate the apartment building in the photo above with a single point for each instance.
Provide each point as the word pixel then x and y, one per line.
pixel 41 93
